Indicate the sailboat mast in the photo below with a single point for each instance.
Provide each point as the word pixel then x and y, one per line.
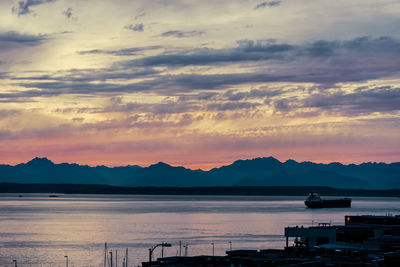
pixel 126 257
pixel 105 254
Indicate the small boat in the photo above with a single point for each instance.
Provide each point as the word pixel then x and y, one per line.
pixel 314 201
pixel 53 196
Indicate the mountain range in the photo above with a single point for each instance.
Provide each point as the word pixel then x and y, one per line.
pixel 266 171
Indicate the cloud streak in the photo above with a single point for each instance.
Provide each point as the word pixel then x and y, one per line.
pixel 121 52
pixel 19 38
pixel 182 34
pixel 267 4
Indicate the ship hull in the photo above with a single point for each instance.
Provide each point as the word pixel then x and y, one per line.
pixel 331 203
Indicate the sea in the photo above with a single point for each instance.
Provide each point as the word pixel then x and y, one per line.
pixel 38 230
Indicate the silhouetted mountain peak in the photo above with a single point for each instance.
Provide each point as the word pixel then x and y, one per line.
pixel 291 162
pixel 335 164
pixel 40 162
pixel 269 160
pixel 160 165
pixel 256 164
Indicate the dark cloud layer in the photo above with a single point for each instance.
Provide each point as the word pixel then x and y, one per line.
pixel 354 51
pixel 207 56
pixel 23 7
pixel 322 62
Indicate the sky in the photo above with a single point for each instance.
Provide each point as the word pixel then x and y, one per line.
pixel 199 84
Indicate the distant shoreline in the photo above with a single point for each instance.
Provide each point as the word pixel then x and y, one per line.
pixel 223 191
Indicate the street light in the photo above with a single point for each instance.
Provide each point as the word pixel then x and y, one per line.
pixel 230 245
pixel 158 245
pixel 66 263
pixel 213 247
pixel 15 263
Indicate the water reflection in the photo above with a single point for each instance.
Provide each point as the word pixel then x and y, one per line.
pixel 39 231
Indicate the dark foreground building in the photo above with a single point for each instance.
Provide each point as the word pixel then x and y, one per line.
pixel 363 241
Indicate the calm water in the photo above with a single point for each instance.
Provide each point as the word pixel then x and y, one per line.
pixel 39 231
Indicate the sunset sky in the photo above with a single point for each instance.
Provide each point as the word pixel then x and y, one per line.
pixel 199 83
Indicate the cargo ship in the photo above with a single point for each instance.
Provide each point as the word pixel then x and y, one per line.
pixel 314 201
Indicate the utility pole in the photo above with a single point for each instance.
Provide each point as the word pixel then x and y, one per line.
pixel 15 263
pixel 230 245
pixel 158 245
pixel 111 259
pixel 66 262
pixel 212 248
pixel 150 251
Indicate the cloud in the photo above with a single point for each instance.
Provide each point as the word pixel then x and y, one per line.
pixel 359 59
pixel 25 39
pixel 164 107
pixel 160 84
pixel 88 75
pixel 136 28
pixel 323 63
pixel 245 51
pixel 14 40
pixel 121 52
pixel 142 122
pixel 253 94
pixel 361 101
pixel 199 96
pixel 231 106
pixel 267 4
pixel 140 15
pixel 68 13
pixel 23 7
pixel 182 34
pixel 9 113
